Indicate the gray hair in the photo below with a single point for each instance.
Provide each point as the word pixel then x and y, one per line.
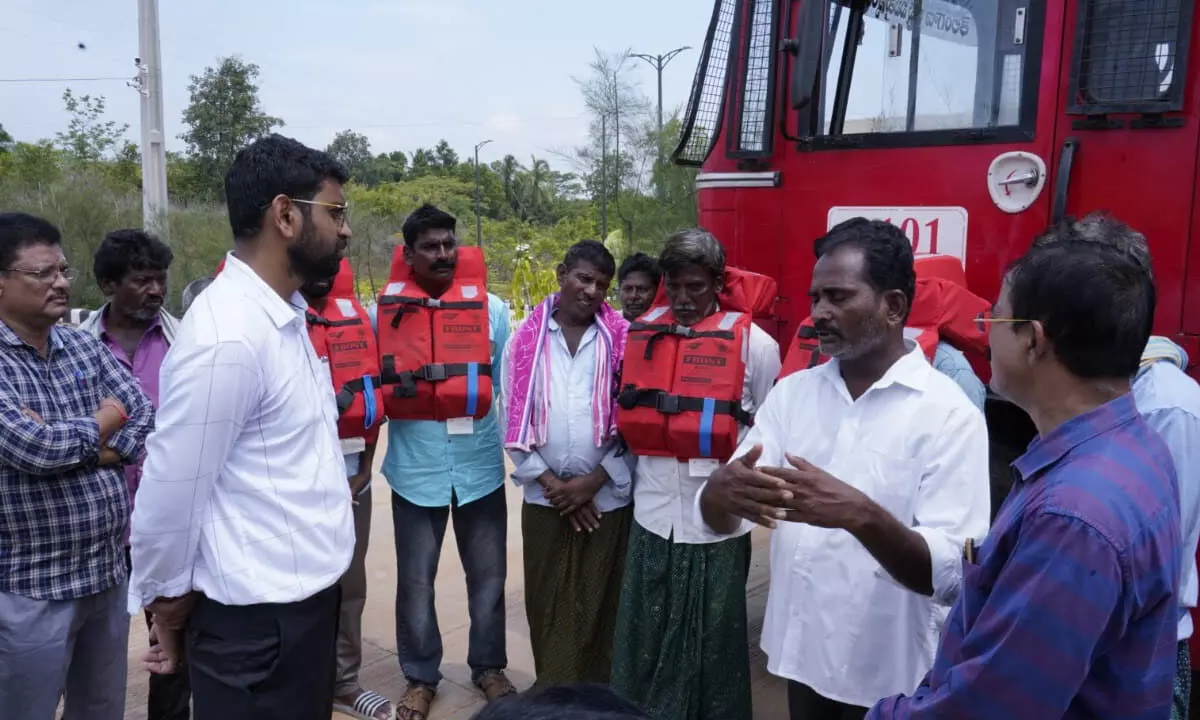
pixel 193 290
pixel 1100 227
pixel 695 246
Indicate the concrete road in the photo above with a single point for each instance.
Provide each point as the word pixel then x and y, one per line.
pixel 457 699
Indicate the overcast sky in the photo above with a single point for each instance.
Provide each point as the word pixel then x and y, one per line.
pixel 404 72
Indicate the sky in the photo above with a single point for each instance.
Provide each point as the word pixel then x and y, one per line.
pixel 406 73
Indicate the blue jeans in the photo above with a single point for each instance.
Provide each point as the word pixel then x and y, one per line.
pixel 481 529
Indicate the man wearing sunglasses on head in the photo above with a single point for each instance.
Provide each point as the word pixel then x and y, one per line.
pixel 71 418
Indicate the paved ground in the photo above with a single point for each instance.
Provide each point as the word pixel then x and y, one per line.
pixel 457 699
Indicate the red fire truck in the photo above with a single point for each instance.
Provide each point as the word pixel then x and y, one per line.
pixel 970 124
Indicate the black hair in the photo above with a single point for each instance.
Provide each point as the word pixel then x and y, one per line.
pixel 19 231
pixel 578 701
pixel 640 262
pixel 124 251
pixel 887 253
pixel 425 218
pixel 273 166
pixel 590 251
pixel 1095 302
pixel 695 246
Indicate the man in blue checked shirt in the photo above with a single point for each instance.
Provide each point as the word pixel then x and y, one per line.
pixel 71 417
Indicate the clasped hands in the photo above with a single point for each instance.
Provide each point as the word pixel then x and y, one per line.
pixel 572 497
pixel 802 493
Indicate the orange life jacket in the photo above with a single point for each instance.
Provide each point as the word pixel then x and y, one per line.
pixel 435 353
pixel 339 329
pixel 681 387
pixel 341 333
pixel 943 309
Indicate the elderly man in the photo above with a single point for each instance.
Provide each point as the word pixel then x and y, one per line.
pixel 695 371
pixel 873 469
pixel 70 418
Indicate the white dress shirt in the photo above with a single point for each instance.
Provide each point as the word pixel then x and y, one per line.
pixel 664 490
pixel 244 495
pixel 914 443
pixel 570 448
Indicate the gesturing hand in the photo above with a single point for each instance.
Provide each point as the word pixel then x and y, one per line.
pixel 818 498
pixel 741 489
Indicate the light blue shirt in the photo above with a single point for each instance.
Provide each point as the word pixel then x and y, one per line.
pixel 428 466
pixel 1169 401
pixel 949 361
pixel 570 449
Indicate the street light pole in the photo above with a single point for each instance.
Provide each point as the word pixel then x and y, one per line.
pixel 659 62
pixel 148 83
pixel 478 217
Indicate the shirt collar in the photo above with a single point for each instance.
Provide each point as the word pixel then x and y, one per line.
pixel 281 313
pixel 155 324
pixel 911 370
pixel 8 337
pixel 1046 450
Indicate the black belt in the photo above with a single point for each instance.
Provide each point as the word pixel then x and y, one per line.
pixel 411 304
pixel 405 382
pixel 631 397
pixel 326 322
pixel 345 396
pixel 661 330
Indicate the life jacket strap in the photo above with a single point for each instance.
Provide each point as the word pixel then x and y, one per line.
pixel 661 401
pixel 405 381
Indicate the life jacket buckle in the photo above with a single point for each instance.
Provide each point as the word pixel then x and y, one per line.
pixel 667 404
pixel 435 372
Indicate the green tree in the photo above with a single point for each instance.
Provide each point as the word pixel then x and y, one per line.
pixel 6 141
pixel 223 116
pixel 354 151
pixel 447 159
pixel 89 137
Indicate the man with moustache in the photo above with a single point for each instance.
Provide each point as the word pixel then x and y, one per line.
pixel 131 268
pixel 243 525
pixel 681 650
pixel 440 470
pixel 637 281
pixel 70 418
pixel 873 470
pixel 561 433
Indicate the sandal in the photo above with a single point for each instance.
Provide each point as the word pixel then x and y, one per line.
pixel 416 701
pixel 495 685
pixel 366 705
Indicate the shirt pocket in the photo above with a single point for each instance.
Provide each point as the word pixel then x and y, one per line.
pixel 972 595
pixel 892 482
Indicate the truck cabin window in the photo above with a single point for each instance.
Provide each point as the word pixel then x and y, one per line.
pixel 904 66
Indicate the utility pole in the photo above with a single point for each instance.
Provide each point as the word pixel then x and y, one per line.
pixel 478 217
pixel 603 177
pixel 658 62
pixel 154 153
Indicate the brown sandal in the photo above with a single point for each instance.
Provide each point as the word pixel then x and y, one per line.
pixel 495 685
pixel 416 701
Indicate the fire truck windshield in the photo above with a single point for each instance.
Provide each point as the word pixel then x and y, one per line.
pixel 890 66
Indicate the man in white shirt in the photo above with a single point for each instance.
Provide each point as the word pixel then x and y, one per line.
pixel 681 647
pixel 243 523
pixel 873 470
pixel 558 402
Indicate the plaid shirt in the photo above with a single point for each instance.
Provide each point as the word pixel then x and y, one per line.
pixel 62 518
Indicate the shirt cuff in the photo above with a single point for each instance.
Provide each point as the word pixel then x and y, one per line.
pixel 125 444
pixel 945 558
pixel 744 526
pixel 529 467
pixel 138 601
pixel 620 474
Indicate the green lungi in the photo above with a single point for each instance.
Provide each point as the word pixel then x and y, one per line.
pixel 681 650
pixel 572 587
pixel 1183 682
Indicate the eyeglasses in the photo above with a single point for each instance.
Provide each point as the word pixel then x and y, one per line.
pixel 987 318
pixel 336 212
pixel 46 275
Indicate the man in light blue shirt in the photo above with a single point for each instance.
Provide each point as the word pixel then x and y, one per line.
pixel 1169 401
pixel 435 475
pixel 951 362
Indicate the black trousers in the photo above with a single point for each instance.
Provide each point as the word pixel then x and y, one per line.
pixel 170 695
pixel 805 704
pixel 264 662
